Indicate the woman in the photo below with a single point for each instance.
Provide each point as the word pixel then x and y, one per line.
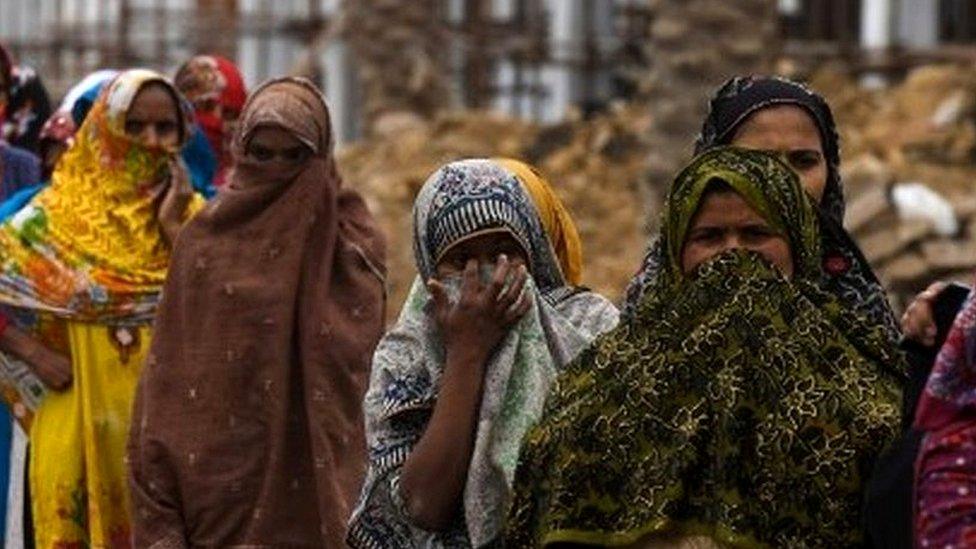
pixel 216 88
pixel 494 314
pixel 945 479
pixel 56 137
pixel 27 103
pixel 254 436
pixel 741 405
pixel 81 268
pixel 787 119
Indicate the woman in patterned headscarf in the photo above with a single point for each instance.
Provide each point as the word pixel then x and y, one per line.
pixel 216 89
pixel 494 314
pixel 740 405
pixel 788 119
pixel 81 269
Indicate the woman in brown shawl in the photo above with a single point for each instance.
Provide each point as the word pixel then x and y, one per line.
pixel 248 427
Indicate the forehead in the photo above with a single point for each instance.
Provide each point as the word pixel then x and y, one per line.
pixel 780 127
pixel 489 241
pixel 153 101
pixel 726 207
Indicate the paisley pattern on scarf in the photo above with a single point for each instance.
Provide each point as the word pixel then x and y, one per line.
pixel 734 404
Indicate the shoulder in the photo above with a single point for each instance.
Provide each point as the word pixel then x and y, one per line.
pixel 586 308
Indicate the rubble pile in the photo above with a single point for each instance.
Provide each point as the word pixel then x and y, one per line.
pixel 909 169
pixel 596 166
pixel 910 174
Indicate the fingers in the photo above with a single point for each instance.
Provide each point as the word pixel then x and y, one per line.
pixel 498 279
pixel 918 323
pixel 442 304
pixel 933 290
pixel 469 278
pixel 54 370
pixel 437 291
pixel 514 291
pixel 515 301
pixel 516 312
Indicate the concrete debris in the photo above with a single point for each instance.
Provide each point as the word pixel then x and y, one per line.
pixel 922 130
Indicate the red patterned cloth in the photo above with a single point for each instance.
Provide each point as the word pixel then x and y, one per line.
pixel 216 88
pixel 945 473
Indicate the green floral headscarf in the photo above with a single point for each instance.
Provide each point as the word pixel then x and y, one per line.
pixel 735 404
pixel 780 200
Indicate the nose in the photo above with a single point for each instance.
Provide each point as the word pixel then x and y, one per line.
pixel 150 136
pixel 732 242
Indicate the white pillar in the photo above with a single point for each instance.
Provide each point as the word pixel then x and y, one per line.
pixel 876 19
pixel 789 7
pixel 876 33
pixel 560 79
pixel 340 89
pixel 918 23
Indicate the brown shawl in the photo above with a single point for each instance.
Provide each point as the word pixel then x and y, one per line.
pixel 248 426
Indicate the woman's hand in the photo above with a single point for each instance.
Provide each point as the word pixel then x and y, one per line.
pixel 433 476
pixel 484 312
pixel 53 368
pixel 918 322
pixel 176 199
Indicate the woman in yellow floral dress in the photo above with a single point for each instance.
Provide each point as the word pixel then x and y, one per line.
pixel 81 267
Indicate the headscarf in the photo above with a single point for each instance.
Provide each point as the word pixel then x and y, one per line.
pixel 851 277
pixel 89 246
pixel 263 424
pixel 736 404
pixel 555 218
pixel 461 200
pixel 28 106
pixel 78 92
pixel 86 93
pixel 213 79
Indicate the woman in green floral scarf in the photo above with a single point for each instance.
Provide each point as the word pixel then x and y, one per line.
pixel 741 406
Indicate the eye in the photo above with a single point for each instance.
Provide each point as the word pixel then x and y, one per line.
pixel 260 153
pixel 758 232
pixel 134 127
pixel 804 160
pixel 296 154
pixel 166 127
pixel 454 260
pixel 705 235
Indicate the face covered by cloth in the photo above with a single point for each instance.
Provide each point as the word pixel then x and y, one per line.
pixel 459 200
pixel 735 404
